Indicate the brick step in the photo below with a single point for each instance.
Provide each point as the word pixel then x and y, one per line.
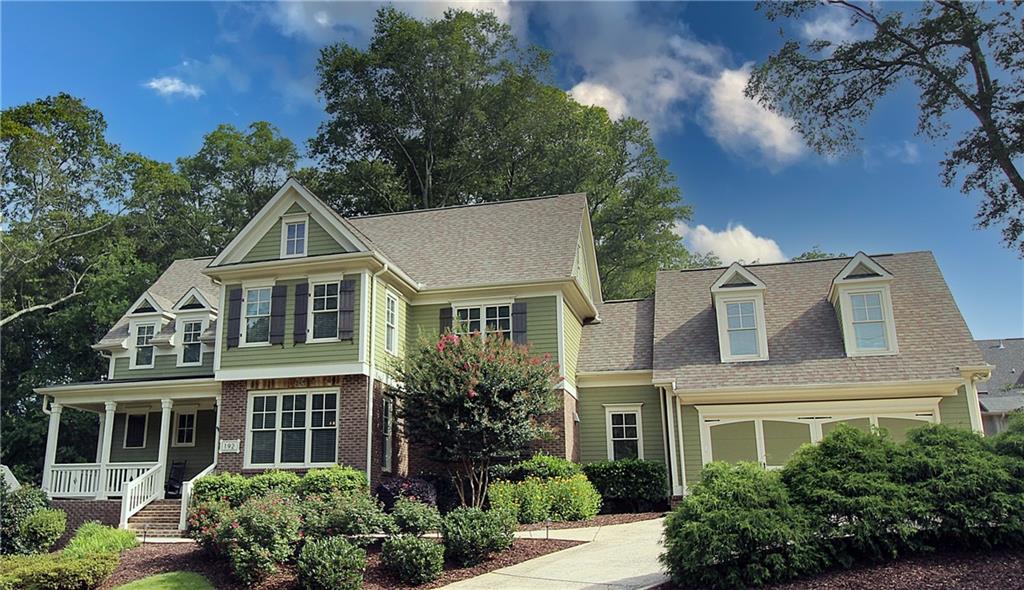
pixel 152 520
pixel 159 533
pixel 159 510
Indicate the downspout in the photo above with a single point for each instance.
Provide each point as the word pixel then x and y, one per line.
pixel 369 381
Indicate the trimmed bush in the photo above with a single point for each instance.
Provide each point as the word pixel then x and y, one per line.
pixel 331 564
pixel 540 466
pixel 230 487
pixel 738 529
pixel 262 534
pixel 328 480
pixel 357 516
pixel 470 534
pixel 208 524
pixel 42 529
pixel 573 498
pixel 389 490
pixel 281 482
pixel 629 484
pixel 528 501
pixel 93 538
pixel 413 560
pixel 55 572
pixel 415 518
pixel 15 507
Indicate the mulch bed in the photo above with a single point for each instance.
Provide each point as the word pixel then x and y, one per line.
pixel 599 520
pixel 152 559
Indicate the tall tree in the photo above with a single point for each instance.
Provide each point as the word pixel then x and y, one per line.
pixel 450 111
pixel 963 57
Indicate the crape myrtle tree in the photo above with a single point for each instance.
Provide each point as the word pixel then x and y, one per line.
pixel 473 400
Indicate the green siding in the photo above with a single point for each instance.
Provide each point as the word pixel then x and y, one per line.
pixel 318 242
pixel 593 431
pixel 423 323
pixel 292 353
pixel 197 458
pixel 955 411
pixel 382 358
pixel 572 333
pixel 164 365
pixel 735 441
pixel 693 463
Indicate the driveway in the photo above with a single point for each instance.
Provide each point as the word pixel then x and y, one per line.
pixel 615 557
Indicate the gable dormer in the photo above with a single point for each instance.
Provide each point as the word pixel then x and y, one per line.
pixel 863 301
pixel 738 298
pixel 146 318
pixel 193 316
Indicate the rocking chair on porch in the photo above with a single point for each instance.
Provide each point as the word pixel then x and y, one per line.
pixel 175 478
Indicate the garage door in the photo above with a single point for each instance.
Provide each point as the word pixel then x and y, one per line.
pixel 770 433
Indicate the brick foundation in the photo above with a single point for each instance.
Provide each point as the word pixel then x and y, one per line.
pixel 106 512
pixel 564 440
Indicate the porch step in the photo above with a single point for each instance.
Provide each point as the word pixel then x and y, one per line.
pixel 157 519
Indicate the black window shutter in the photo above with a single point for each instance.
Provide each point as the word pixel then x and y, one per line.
pixel 301 305
pixel 446 319
pixel 278 297
pixel 519 323
pixel 234 317
pixel 346 309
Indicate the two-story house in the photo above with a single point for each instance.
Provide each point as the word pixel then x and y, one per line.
pixel 276 352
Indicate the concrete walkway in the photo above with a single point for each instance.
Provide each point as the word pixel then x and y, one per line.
pixel 615 557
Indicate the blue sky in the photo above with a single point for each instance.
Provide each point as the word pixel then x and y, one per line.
pixel 165 74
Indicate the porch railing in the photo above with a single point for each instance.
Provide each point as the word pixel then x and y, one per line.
pixel 140 491
pixel 186 495
pixel 82 480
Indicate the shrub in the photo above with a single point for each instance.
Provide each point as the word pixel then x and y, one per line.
pixel 48 572
pixel 391 489
pixel 282 482
pixel 413 560
pixel 337 478
pixel 470 534
pixel 331 564
pixel 354 515
pixel 262 534
pixel 629 484
pixel 42 529
pixel 737 529
pixel 1010 442
pixel 93 538
pixel 845 483
pixel 528 501
pixel 208 524
pixel 573 498
pixel 15 507
pixel 231 487
pixel 415 518
pixel 541 466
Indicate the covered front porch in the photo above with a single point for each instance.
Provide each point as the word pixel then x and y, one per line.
pixel 150 433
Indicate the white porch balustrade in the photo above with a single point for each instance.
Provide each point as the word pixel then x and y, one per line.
pixel 82 480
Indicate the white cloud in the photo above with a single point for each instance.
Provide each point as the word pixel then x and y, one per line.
pixel 171 86
pixel 740 124
pixel 595 94
pixel 734 243
pixel 902 152
pixel 835 26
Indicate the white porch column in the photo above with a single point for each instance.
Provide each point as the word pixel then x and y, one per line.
pixel 669 402
pixel 99 438
pixel 51 443
pixel 108 436
pixel 165 436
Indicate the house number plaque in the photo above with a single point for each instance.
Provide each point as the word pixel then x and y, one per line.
pixel 229 446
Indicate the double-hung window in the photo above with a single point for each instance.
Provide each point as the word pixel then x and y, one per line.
pixel 191 348
pixel 742 328
pixel 185 429
pixel 257 315
pixel 624 432
pixel 293 429
pixel 144 345
pixel 868 321
pixel 325 311
pixel 487 319
pixel 390 323
pixel 135 426
pixel 294 238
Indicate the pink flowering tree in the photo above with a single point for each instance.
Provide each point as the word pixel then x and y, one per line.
pixel 471 401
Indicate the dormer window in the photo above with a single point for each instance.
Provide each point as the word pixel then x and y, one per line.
pixel 868 320
pixel 143 355
pixel 293 236
pixel 861 296
pixel 738 297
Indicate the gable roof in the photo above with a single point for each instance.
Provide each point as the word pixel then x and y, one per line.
pixel 179 278
pixel 804 338
pixel 493 243
pixel 1004 392
pixel 623 341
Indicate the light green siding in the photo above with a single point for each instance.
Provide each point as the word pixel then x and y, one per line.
pixel 593 430
pixel 424 323
pixel 732 442
pixel 572 333
pixel 292 353
pixel 383 358
pixel 196 458
pixel 164 365
pixel 318 242
pixel 955 411
pixel 691 455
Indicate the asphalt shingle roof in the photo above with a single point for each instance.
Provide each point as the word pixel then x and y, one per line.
pixel 805 345
pixel 491 243
pixel 624 339
pixel 1004 392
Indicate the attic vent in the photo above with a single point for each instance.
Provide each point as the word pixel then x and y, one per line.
pixel 144 307
pixel 861 271
pixel 737 281
pixel 192 303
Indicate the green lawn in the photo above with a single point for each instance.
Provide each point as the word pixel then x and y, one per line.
pixel 171 581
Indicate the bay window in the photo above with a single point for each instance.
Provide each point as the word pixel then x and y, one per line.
pixel 293 429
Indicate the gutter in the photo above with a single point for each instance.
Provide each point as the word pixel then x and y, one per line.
pixel 369 381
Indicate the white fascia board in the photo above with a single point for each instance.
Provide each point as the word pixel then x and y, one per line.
pixel 286 372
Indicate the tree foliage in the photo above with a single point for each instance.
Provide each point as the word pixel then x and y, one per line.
pixel 962 57
pixel 816 253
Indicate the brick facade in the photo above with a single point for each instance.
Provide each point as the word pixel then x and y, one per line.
pixel 564 440
pixel 106 512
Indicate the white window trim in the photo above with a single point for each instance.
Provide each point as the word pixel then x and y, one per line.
pixel 391 323
pixel 133 342
pixel 285 221
pixel 721 311
pixel 247 450
pixel 145 429
pixel 482 305
pixel 195 423
pixel 846 313
pixel 321 280
pixel 179 329
pixel 245 324
pixel 388 434
pixel 610 409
